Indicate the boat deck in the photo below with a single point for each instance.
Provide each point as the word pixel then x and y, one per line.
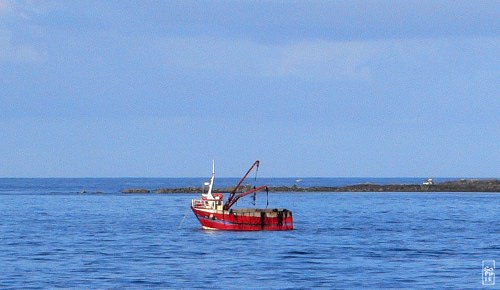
pixel 269 212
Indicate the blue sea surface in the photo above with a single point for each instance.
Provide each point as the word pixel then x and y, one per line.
pixel 53 237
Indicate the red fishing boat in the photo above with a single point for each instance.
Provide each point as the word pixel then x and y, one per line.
pixel 215 214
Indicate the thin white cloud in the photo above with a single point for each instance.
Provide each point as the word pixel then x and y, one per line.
pixel 304 60
pixel 363 61
pixel 324 60
pixel 11 48
pixel 232 56
pixel 4 5
pixel 12 52
pixel 25 9
pixel 311 60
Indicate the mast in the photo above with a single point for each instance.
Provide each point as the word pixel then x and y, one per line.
pixel 212 179
pixel 211 184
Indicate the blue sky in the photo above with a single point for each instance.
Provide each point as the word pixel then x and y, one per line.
pixel 311 88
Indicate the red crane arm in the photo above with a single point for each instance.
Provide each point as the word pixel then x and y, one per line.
pixel 235 198
pixel 231 200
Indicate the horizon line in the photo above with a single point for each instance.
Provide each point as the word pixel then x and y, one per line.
pixel 297 177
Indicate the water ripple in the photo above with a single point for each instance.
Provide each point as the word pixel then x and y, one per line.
pixel 360 241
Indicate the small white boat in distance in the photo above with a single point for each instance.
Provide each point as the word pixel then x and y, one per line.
pixel 429 181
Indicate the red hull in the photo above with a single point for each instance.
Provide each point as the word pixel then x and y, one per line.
pixel 245 219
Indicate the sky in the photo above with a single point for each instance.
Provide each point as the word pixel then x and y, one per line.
pixel 310 88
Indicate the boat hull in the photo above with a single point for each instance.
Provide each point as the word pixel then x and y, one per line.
pixel 245 219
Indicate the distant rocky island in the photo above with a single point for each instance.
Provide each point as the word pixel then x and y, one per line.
pixel 462 185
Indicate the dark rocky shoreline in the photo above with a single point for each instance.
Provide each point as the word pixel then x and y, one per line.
pixel 462 185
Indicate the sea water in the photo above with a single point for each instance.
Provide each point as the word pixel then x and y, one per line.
pixel 51 236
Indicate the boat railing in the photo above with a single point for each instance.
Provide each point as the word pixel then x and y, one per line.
pixel 197 203
pixel 206 202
